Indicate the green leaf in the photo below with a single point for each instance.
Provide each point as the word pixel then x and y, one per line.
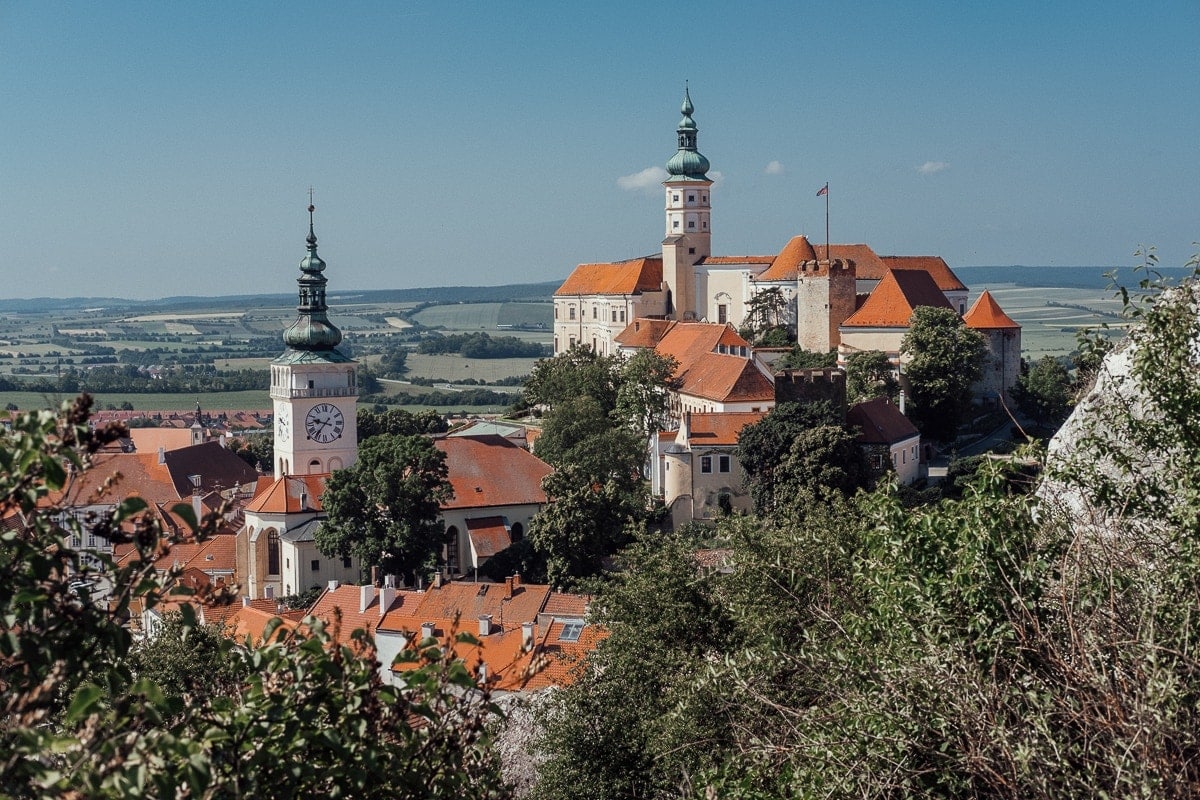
pixel 84 702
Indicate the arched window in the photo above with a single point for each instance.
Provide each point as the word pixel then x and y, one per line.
pixel 314 466
pixel 272 552
pixel 518 532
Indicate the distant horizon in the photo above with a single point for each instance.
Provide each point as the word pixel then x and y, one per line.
pixel 334 294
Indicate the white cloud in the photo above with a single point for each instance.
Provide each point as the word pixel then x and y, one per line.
pixel 930 167
pixel 774 168
pixel 645 181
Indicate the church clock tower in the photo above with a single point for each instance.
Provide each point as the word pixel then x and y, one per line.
pixel 313 386
pixel 688 209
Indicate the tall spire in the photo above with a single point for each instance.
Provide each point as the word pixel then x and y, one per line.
pixel 687 163
pixel 312 329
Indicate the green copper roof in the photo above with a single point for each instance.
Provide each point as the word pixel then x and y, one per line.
pixel 688 164
pixel 312 330
pixel 312 357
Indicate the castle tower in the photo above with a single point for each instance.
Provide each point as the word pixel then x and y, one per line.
pixel 825 298
pixel 1003 364
pixel 313 386
pixel 688 211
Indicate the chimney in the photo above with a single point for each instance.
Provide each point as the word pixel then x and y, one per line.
pixel 365 595
pixel 508 586
pixel 197 508
pixel 245 600
pixel 483 676
pixel 333 585
pixel 516 579
pixel 389 581
pixel 485 624
pixel 386 596
pixel 527 635
pixel 902 402
pixel 437 579
pixel 426 630
pixel 162 454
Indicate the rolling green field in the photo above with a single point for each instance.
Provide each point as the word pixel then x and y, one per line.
pixel 1050 318
pixel 471 317
pixel 453 368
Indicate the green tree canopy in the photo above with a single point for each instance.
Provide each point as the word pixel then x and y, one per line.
pixel 870 374
pixel 799 358
pixel 1044 392
pixel 398 422
pixel 585 522
pixel 764 446
pixel 385 509
pixel 942 359
pixel 644 396
pixel 577 372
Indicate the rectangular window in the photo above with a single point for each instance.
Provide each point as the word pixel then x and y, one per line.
pixel 595 313
pixel 570 632
pixel 571 313
pixel 346 562
pixel 675 198
pixel 556 312
pixel 691 198
pixel 622 315
pixel 723 463
pixel 691 224
pixel 572 342
pixel 316 565
pixel 706 464
pixel 675 224
pixel 722 314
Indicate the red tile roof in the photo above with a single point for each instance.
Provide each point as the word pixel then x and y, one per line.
pixel 562 604
pixel 719 429
pixel 488 535
pixel 867 265
pixel 725 379
pixel 623 277
pixel 510 663
pixel 937 268
pixel 892 302
pixel 986 314
pixel 490 471
pixel 735 260
pixel 786 265
pixel 347 600
pixel 643 332
pixel 472 600
pixel 288 494
pixel 880 422
pixel 687 341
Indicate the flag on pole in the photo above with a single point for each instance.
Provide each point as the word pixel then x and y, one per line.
pixel 824 190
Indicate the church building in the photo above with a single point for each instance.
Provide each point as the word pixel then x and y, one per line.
pixel 314 391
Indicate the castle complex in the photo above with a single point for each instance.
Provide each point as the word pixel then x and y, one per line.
pixel 840 296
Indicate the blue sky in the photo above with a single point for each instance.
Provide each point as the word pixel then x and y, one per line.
pixel 153 149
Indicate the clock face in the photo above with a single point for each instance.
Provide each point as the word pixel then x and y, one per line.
pixel 283 425
pixel 324 423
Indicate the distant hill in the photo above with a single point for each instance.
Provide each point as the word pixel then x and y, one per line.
pixel 440 294
pixel 1058 277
